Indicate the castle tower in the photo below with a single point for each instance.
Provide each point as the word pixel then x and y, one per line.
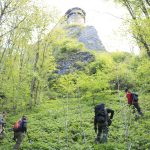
pixel 74 23
pixel 86 34
pixel 76 16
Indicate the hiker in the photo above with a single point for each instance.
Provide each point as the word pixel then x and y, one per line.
pixel 102 121
pixel 19 128
pixel 133 101
pixel 2 125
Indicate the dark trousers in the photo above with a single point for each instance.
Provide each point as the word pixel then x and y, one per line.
pixel 1 131
pixel 102 134
pixel 137 107
pixel 18 136
pixel 2 135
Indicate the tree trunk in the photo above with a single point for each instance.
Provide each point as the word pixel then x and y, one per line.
pixel 34 79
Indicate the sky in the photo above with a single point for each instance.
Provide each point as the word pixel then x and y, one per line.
pixel 105 16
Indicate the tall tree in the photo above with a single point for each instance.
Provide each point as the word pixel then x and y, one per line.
pixel 25 56
pixel 140 23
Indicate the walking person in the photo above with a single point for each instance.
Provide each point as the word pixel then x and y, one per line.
pixel 133 101
pixel 20 129
pixel 2 125
pixel 102 121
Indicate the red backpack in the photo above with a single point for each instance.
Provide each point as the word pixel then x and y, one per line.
pixel 17 126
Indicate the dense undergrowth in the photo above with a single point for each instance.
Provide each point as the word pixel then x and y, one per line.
pixel 63 118
pixel 68 124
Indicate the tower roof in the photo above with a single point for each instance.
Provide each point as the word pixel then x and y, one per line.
pixel 69 12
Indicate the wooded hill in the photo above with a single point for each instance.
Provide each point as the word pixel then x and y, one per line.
pixel 60 107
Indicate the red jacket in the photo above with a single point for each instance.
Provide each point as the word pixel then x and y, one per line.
pixel 129 97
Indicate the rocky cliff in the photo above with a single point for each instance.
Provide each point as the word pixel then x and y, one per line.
pixel 74 61
pixel 74 23
pixel 87 35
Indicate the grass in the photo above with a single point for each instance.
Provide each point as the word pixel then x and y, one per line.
pixel 65 124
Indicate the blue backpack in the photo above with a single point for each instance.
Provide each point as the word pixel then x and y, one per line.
pixel 135 97
pixel 1 119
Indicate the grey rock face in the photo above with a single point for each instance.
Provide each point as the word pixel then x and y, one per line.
pixel 88 36
pixel 75 61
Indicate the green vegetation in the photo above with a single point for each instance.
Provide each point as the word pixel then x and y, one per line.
pixel 138 22
pixel 60 107
pixel 66 121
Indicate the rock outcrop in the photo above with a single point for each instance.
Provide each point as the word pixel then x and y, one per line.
pixel 74 61
pixel 87 35
pixel 74 24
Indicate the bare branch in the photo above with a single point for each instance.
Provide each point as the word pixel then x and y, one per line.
pixel 148 2
pixel 6 5
pixel 144 9
pixel 13 28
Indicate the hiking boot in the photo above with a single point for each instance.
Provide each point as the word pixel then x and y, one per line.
pixel 97 141
pixel 141 114
pixel 14 139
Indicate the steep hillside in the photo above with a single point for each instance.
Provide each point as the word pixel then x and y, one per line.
pixel 68 124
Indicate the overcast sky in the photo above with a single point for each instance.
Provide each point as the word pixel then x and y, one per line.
pixel 105 16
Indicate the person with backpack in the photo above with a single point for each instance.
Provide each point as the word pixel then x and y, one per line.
pixel 2 125
pixel 133 101
pixel 20 129
pixel 102 121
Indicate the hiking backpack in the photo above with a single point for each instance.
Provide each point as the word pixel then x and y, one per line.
pixel 135 97
pixel 17 126
pixel 100 113
pixel 1 120
pixel 1 124
pixel 1 129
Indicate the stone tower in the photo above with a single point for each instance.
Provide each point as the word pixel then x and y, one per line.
pixel 75 20
pixel 75 16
